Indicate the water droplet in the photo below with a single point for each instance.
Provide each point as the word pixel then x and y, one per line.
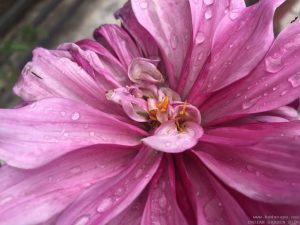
pixel 92 134
pixel 120 191
pixel 208 14
pixel 76 170
pixel 104 205
pixel 75 116
pixel 168 144
pixel 144 4
pixel 208 2
pixel 200 37
pixel 283 93
pixel 265 94
pixel 295 80
pixel 231 45
pixel 234 14
pixel 62 113
pixel 273 64
pixel 33 105
pixel 138 173
pixel 66 134
pixel 174 41
pixel 212 210
pixel 274 88
pixel 249 167
pixel 82 220
pixel 162 201
pixel 248 104
pixel 6 200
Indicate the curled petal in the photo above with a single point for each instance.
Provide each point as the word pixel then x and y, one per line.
pixel 168 139
pixel 143 70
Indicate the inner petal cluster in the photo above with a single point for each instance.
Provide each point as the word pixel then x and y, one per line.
pixel 149 101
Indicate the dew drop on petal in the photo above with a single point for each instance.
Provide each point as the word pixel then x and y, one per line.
pixel 144 4
pixel 234 14
pixel 273 64
pixel 82 220
pixel 248 104
pixel 212 210
pixel 208 14
pixel 62 113
pixel 295 80
pixel 92 134
pixel 6 200
pixel 75 116
pixel 162 201
pixel 283 93
pixel 200 38
pixel 104 205
pixel 138 173
pixel 174 41
pixel 208 2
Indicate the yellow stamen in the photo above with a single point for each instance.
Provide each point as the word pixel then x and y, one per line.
pixel 179 128
pixel 182 111
pixel 163 106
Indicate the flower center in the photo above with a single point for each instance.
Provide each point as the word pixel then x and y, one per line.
pixel 147 101
pixel 159 107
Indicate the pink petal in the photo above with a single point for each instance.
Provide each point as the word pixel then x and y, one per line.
pixel 161 206
pixel 104 201
pixel 267 171
pixel 132 214
pixel 282 114
pixel 206 15
pixel 144 40
pixel 242 39
pixel 98 63
pixel 168 139
pixel 143 70
pixel 53 75
pixel 172 31
pixel 52 127
pixel 288 213
pixel 44 192
pixel 274 83
pixel 119 41
pixel 212 201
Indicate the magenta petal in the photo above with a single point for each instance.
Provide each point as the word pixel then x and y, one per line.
pixel 212 201
pixel 172 32
pixel 119 41
pixel 105 200
pixel 132 214
pixel 139 33
pixel 98 63
pixel 274 83
pixel 38 133
pixel 161 206
pixel 206 15
pixel 168 139
pixel 54 74
pixel 267 171
pixel 35 196
pixel 143 70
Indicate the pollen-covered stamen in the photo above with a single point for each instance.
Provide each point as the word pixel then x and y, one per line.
pixel 163 105
pixel 181 118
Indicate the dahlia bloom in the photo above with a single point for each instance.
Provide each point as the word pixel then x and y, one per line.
pixel 181 116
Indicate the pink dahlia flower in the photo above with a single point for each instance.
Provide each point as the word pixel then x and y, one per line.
pixel 181 116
